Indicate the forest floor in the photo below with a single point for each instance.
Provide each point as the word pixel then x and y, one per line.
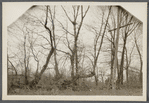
pixel 122 92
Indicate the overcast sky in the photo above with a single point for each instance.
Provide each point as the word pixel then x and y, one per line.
pixel 15 10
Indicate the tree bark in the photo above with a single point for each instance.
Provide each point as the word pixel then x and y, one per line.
pixel 16 73
pixel 141 62
pixel 25 64
pixel 116 49
pixel 55 59
pixel 99 49
pixel 127 76
pixel 122 61
pixel 72 65
pixel 96 80
pixel 112 60
pixel 38 77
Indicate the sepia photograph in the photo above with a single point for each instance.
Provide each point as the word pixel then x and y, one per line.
pixel 74 51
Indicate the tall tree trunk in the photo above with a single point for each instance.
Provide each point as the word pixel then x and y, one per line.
pixel 36 74
pixel 96 80
pixel 54 42
pixel 116 49
pixel 141 62
pixel 38 77
pixel 56 66
pixel 141 71
pixel 102 38
pixel 72 65
pixel 47 61
pixel 141 77
pixel 55 59
pixel 16 73
pixel 118 76
pixel 122 61
pixel 102 81
pixel 76 56
pixel 127 76
pixel 25 64
pixel 127 66
pixel 111 62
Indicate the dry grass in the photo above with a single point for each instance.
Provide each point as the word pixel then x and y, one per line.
pixel 122 92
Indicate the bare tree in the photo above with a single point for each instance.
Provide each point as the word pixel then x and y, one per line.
pixel 128 30
pixel 36 80
pixel 26 61
pixel 35 55
pixel 16 73
pixel 140 57
pixel 99 34
pixel 54 42
pixel 128 62
pixel 76 31
pixel 111 39
pixel 126 24
pixel 25 50
pixel 74 51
